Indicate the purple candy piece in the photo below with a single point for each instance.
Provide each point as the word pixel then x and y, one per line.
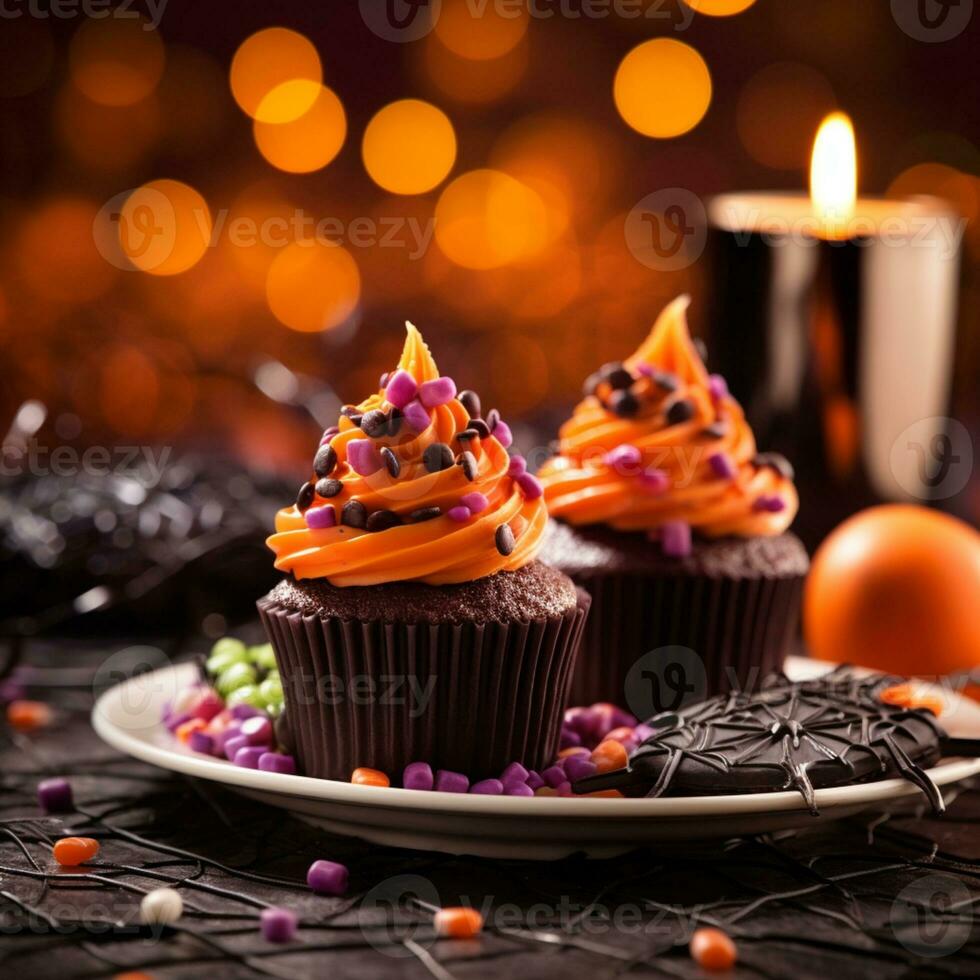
pixel 474 501
pixel 517 467
pixel 243 711
pixel 624 457
pixel 654 481
pixel 642 732
pixel 518 789
pixel 401 389
pixel 277 762
pixel 209 705
pixel 553 775
pixel 675 539
pixel 257 730
pixel 515 772
pixel 460 514
pixel 318 518
pixel 569 738
pixel 534 780
pixel 327 878
pixel 451 782
pixel 416 417
pixel 717 387
pixel 488 787
pixel 723 466
pixel 503 435
pixel 329 433
pixel 54 795
pixel 201 742
pixel 437 392
pixel 248 756
pixel 565 789
pixel 418 775
pixel 578 750
pixel 647 370
pixel 363 456
pixel 530 486
pixel 577 768
pixel 770 503
pixel 232 746
pixel 278 925
pixel 173 722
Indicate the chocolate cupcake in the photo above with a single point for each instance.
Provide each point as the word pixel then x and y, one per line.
pixel 674 523
pixel 416 623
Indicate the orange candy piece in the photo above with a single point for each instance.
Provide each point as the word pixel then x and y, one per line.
pixel 906 696
pixel 623 734
pixel 458 923
pixel 712 950
pixel 609 755
pixel 72 851
pixel 183 732
pixel 609 794
pixel 369 777
pixel 28 716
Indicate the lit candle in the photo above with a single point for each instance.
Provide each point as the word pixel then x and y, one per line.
pixel 833 317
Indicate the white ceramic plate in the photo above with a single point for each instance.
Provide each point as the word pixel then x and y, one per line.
pixel 127 716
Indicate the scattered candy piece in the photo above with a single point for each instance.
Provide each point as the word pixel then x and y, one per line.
pixel 369 777
pixel 553 775
pixel 278 925
pixel 327 878
pixel 185 730
pixel 654 481
pixel 418 775
pixel 770 503
pixel 202 742
pixel 248 756
pixel 416 417
pixel 258 730
pixel 318 518
pixel 72 851
pixel 162 906
pixel 503 435
pixel 515 772
pixel 460 514
pixel 717 387
pixel 675 539
pixel 578 768
pixel 517 466
pixel 530 486
pixel 277 762
pixel 458 923
pixel 608 756
pixel 234 744
pixel 712 950
pixel 54 795
pixel 487 787
pixel 518 789
pixel 534 780
pixel 363 457
pixel 474 502
pixel 723 466
pixel 28 716
pixel 451 782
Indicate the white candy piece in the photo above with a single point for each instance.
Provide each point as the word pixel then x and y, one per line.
pixel 162 906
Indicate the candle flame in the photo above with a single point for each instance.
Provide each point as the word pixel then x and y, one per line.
pixel 833 169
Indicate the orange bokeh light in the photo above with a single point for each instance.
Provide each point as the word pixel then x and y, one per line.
pixel 116 61
pixel 467 81
pixel 313 286
pixel 409 147
pixel 486 219
pixel 164 227
pixel 308 142
pixel 662 88
pixel 481 34
pixel 267 60
pixel 719 8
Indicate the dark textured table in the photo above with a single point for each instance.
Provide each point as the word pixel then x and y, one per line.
pixel 870 896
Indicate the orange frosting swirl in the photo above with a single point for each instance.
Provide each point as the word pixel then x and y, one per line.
pixel 440 550
pixel 701 470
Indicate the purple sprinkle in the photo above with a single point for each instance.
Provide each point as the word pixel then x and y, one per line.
pixel 232 746
pixel 717 387
pixel 576 751
pixel 242 711
pixel 585 721
pixel 654 481
pixel 530 486
pixel 278 925
pixel 318 518
pixel 534 780
pixel 675 539
pixel 723 466
pixel 565 789
pixel 248 756
pixel 451 782
pixel 474 502
pixel 488 787
pixel 771 503
pixel 328 434
pixel 502 434
pixel 517 467
pixel 401 389
pixel 201 742
pixel 54 795
pixel 418 775
pixel 416 417
pixel 257 730
pixel 438 392
pixel 577 768
pixel 623 457
pixel 515 772
pixel 327 878
pixel 277 762
pixel 518 789
pixel 173 722
pixel 461 514
pixel 569 738
pixel 647 370
pixel 553 775
pixel 363 457
pixel 221 739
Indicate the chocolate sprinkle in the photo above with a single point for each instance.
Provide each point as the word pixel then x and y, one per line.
pixel 666 381
pixel 493 417
pixel 624 403
pixel 480 428
pixel 504 539
pixel 615 375
pixel 374 423
pixel 383 380
pixel 467 435
pixel 717 430
pixel 325 461
pixel 392 465
pixel 470 400
pixel 395 417
pixel 305 496
pixel 329 488
pixel 381 520
pixel 437 457
pixel 776 461
pixel 354 514
pixel 425 513
pixel 469 466
pixel 592 382
pixel 679 411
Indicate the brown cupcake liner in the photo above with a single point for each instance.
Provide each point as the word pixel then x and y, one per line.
pixel 469 697
pixel 739 630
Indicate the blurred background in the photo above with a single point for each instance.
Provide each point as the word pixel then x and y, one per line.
pixel 213 210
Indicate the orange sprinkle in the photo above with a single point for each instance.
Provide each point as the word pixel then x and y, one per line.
pixel 609 794
pixel 72 851
pixel 608 756
pixel 905 696
pixel 712 950
pixel 572 750
pixel 28 716
pixel 183 732
pixel 459 923
pixel 546 791
pixel 369 777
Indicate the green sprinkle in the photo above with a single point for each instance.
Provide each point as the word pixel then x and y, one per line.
pixel 247 694
pixel 235 676
pixel 224 653
pixel 263 656
pixel 271 688
pixel 275 708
